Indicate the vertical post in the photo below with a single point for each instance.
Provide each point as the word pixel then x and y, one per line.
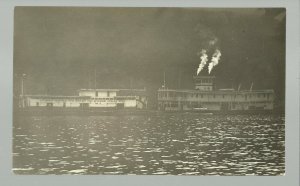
pixel 89 81
pixel 146 104
pixel 95 77
pixel 22 91
pixel 179 80
pixel 251 87
pixel 22 85
pixel 263 46
pixel 164 79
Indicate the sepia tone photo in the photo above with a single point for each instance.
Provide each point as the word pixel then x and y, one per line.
pixel 149 91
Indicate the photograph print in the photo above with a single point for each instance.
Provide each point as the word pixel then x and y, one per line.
pixel 149 91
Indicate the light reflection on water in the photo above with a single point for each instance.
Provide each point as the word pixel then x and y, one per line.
pixel 178 144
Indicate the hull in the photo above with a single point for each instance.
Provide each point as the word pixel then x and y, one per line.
pixel 275 111
pixel 81 111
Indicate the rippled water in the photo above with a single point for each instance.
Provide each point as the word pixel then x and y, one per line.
pixel 178 144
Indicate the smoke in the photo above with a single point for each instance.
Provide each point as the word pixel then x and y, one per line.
pixel 214 60
pixel 209 43
pixel 203 58
pixel 213 42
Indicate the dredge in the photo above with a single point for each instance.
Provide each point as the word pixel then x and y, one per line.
pixel 206 98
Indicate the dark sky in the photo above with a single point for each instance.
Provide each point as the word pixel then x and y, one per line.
pixel 59 49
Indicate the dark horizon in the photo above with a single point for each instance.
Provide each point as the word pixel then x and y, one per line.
pixel 60 48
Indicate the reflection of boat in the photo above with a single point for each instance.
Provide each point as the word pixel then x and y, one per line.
pixel 197 113
pixel 208 113
pixel 202 110
pixel 199 109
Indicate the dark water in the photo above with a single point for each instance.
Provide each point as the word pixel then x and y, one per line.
pixel 178 144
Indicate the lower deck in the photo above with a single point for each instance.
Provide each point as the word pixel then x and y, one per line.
pixel 213 106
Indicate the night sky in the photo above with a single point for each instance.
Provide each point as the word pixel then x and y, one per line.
pixel 60 49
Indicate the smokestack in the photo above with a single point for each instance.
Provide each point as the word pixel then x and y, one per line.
pixel 164 85
pixel 239 87
pixel 203 60
pixel 251 87
pixel 214 60
pixel 89 81
pixel 179 80
pixel 95 79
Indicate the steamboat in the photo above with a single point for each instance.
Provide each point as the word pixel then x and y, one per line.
pixel 206 98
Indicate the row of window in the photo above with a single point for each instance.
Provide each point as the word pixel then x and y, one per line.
pixel 203 88
pixel 203 102
pixel 184 95
pixel 204 81
pixel 91 99
pixel 107 93
pixel 64 104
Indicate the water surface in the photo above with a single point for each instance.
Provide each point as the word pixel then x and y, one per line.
pixel 177 144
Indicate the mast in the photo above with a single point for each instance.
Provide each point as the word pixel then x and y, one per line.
pixel 251 87
pixel 22 85
pixel 239 87
pixel 89 81
pixel 22 90
pixel 179 80
pixel 164 86
pixel 95 79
